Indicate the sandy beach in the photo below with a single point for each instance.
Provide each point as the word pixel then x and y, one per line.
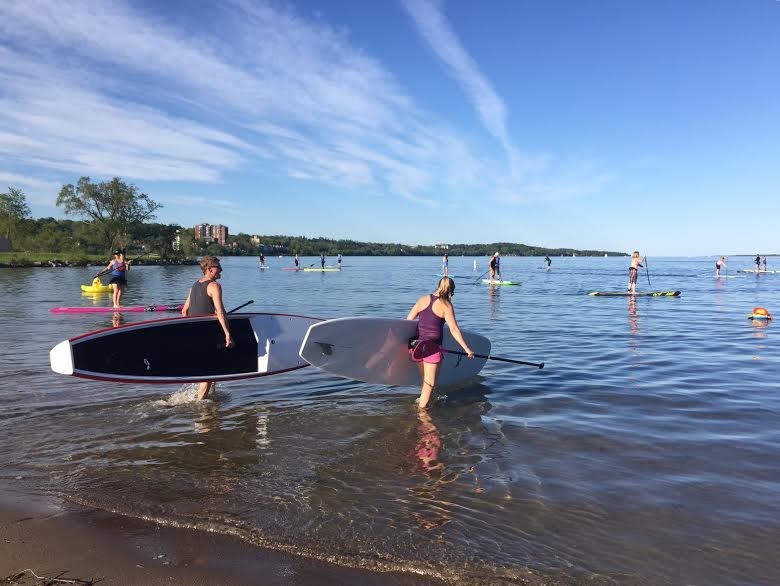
pixel 84 546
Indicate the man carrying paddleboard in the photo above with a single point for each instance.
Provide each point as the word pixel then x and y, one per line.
pixel 205 298
pixel 495 267
pixel 431 312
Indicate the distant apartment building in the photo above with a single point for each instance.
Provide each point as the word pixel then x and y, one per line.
pixel 212 233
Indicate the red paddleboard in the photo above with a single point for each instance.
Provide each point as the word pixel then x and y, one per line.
pixel 130 308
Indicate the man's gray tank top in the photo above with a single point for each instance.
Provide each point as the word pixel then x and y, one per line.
pixel 200 302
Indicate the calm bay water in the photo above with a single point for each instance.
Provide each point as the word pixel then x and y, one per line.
pixel 646 450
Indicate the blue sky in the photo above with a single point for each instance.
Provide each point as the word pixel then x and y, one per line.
pixel 608 124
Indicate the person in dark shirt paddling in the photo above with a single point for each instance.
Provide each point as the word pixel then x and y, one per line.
pixel 118 268
pixel 205 298
pixel 548 260
pixel 495 267
pixel 431 312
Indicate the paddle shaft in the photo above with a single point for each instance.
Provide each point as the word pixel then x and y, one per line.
pixel 250 302
pixel 498 358
pixel 647 272
pixel 480 277
pixel 104 271
pixel 423 348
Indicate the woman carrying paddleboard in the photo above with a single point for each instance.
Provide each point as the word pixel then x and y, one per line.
pixel 431 312
pixel 205 298
pixel 118 268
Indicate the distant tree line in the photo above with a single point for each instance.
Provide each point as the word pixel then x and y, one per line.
pixel 115 214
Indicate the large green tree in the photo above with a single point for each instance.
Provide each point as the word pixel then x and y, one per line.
pixel 13 209
pixel 113 208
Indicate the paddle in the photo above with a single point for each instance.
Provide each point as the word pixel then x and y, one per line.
pixel 222 346
pixel 104 271
pixel 647 271
pixel 480 277
pixel 250 302
pixel 425 348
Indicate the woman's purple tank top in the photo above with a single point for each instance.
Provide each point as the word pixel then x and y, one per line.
pixel 429 325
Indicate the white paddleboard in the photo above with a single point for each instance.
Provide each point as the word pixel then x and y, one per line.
pixel 186 349
pixel 376 350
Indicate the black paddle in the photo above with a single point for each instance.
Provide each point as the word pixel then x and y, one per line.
pixel 480 277
pixel 250 302
pixel 428 347
pixel 222 346
pixel 104 271
pixel 647 271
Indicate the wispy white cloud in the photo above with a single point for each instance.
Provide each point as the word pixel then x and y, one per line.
pixel 529 178
pixel 97 87
pixel 434 27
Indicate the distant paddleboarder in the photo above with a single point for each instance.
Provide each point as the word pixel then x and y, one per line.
pixel 338 260
pixel 205 298
pixel 633 272
pixel 445 265
pixel 322 260
pixel 764 261
pixel 758 263
pixel 548 260
pixel 721 262
pixel 262 260
pixel 495 267
pixel 297 261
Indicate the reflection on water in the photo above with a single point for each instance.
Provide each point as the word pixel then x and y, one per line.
pixel 589 470
pixel 494 301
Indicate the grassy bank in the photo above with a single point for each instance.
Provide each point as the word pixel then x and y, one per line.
pixel 72 259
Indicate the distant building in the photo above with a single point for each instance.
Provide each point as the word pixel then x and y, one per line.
pixel 211 233
pixel 444 246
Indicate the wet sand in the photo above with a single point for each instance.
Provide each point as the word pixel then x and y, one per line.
pixel 87 546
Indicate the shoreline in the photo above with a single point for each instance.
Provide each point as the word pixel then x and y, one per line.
pixel 55 263
pixel 80 545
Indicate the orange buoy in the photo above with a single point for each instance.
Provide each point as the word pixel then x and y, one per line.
pixel 760 313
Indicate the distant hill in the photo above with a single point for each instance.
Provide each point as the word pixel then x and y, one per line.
pixel 314 246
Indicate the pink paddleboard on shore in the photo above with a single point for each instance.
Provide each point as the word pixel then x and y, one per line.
pixel 130 308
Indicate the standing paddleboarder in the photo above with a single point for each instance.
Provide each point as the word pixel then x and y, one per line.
pixel 445 265
pixel 118 267
pixel 633 272
pixel 431 312
pixel 495 267
pixel 297 262
pixel 721 262
pixel 205 298
pixel 548 260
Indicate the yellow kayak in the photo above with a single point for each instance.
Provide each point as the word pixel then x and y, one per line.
pixel 96 287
